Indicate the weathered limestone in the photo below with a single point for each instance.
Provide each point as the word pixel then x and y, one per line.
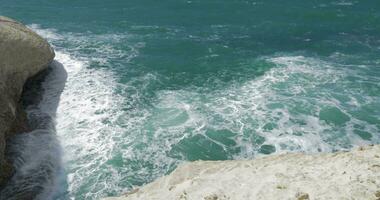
pixel 22 55
pixel 342 175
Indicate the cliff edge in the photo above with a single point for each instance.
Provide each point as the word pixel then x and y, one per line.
pixel 342 175
pixel 22 55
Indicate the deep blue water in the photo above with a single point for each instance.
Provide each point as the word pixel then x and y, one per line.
pixel 151 84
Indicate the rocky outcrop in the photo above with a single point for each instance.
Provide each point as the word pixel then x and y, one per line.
pixel 342 175
pixel 22 55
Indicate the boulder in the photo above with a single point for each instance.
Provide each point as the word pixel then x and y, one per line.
pixel 23 54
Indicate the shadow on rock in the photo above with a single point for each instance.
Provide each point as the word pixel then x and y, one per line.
pixel 36 155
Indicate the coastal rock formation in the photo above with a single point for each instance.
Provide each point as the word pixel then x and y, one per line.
pixel 342 175
pixel 22 55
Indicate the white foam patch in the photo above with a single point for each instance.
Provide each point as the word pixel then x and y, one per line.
pixel 46 33
pixel 344 3
pixel 85 118
pixel 282 106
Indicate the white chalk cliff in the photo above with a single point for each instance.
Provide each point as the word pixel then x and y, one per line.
pixel 341 175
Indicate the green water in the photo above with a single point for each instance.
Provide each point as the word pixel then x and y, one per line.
pixel 152 84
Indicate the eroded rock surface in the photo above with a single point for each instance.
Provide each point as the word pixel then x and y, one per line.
pixel 342 175
pixel 22 55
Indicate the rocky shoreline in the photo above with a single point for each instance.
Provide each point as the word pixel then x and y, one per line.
pixel 342 175
pixel 23 54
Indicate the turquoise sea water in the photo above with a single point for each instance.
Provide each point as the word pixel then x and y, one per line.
pixel 151 84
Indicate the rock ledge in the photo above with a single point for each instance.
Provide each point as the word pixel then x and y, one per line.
pixel 342 175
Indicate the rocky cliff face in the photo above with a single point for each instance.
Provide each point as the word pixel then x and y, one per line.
pixel 343 175
pixel 22 55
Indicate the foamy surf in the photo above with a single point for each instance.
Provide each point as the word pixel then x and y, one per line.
pixel 37 155
pixel 87 121
pixel 86 116
pixel 116 135
pixel 281 111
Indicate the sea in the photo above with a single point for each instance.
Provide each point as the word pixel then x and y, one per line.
pixel 140 86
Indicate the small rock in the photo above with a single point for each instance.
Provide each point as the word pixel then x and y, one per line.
pixel 303 196
pixel 131 192
pixel 281 187
pixel 377 194
pixel 211 197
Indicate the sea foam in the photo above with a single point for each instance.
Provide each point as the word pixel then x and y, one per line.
pixel 115 137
